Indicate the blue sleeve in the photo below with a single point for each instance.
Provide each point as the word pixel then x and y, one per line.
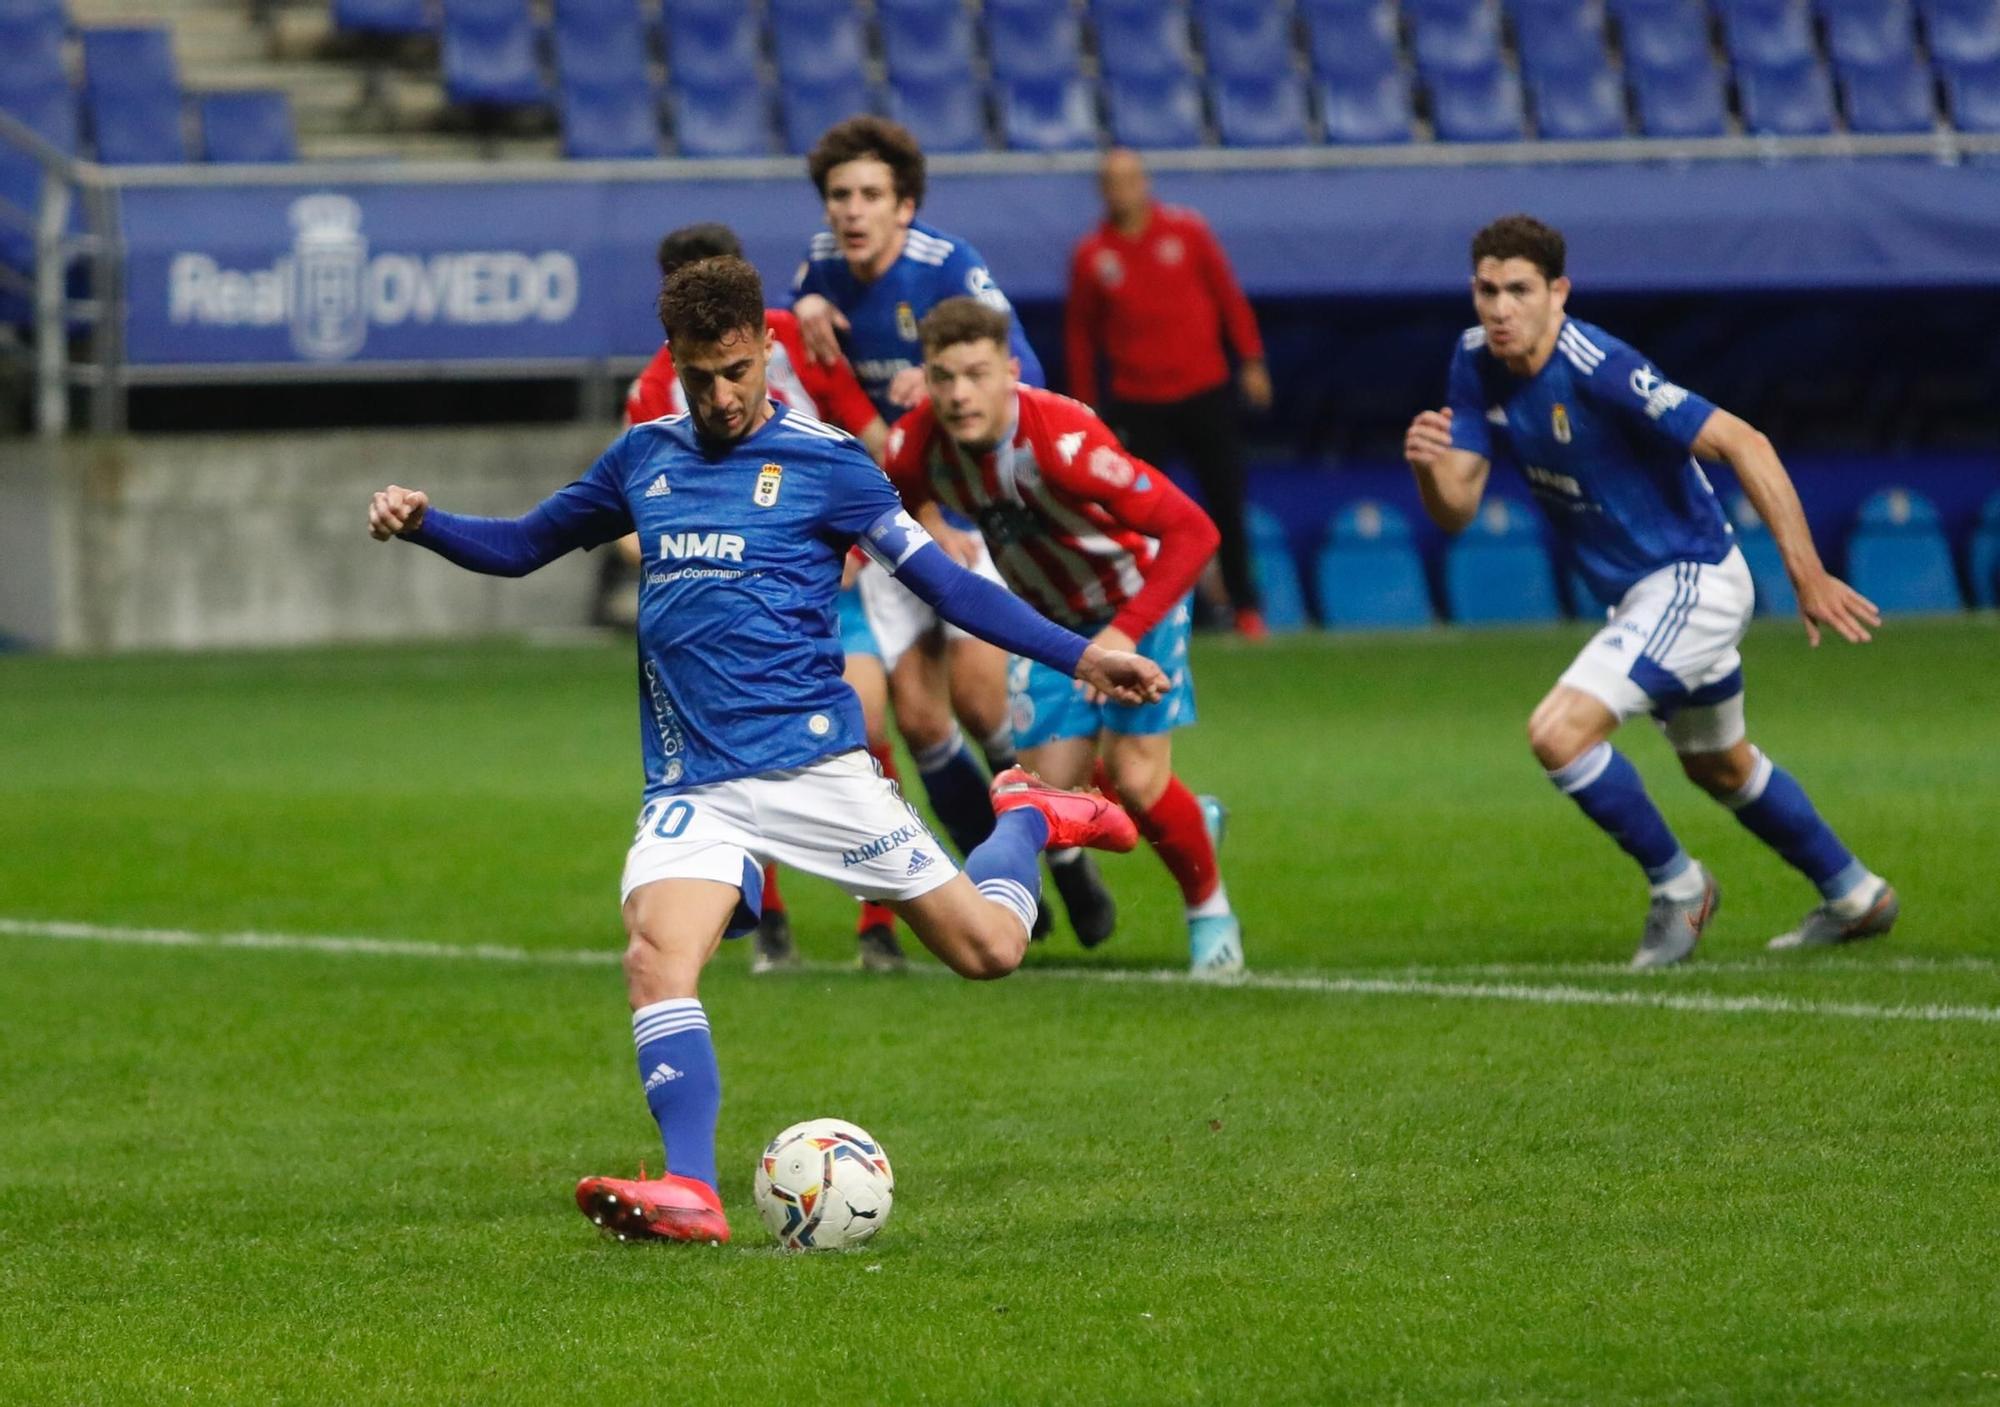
pixel 858 495
pixel 966 275
pixel 586 513
pixel 808 280
pixel 1633 390
pixel 1468 405
pixel 974 604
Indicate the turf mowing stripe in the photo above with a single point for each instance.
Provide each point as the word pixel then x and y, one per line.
pixel 1395 982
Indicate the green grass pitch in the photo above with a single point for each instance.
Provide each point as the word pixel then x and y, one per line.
pixel 1446 1153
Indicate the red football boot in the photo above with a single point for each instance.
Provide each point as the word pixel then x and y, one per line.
pixel 1074 817
pixel 665 1208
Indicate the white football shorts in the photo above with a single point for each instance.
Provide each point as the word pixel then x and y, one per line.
pixel 899 617
pixel 838 818
pixel 1669 649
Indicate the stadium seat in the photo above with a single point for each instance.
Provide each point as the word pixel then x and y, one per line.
pixel 1476 107
pixel 610 119
pixel 1265 111
pixel 1897 555
pixel 1150 114
pixel 945 114
pixel 1681 102
pixel 818 43
pixel 730 119
pixel 1786 102
pixel 489 53
pixel 925 39
pixel 1984 558
pixel 1353 43
pixel 252 126
pixel 1282 599
pixel 1579 106
pixel 1664 34
pixel 715 43
pixel 1894 97
pixel 1455 41
pixel 1775 596
pixel 132 95
pixel 1974 91
pixel 1048 114
pixel 385 17
pixel 1245 38
pixel 1962 32
pixel 1369 576
pixel 1142 40
pixel 47 104
pixel 1768 33
pixel 31 56
pixel 598 42
pixel 1555 40
pixel 813 105
pixel 1033 41
pixel 1366 110
pixel 1498 571
pixel 1880 32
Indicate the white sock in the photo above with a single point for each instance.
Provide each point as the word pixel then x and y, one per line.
pixel 1858 900
pixel 1683 888
pixel 1214 906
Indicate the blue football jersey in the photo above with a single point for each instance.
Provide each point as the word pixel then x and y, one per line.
pixel 883 315
pixel 1603 440
pixel 742 546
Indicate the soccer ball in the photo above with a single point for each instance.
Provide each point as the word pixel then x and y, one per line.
pixel 824 1185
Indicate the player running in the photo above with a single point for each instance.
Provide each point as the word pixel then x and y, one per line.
pixel 1604 441
pixel 865 282
pixel 752 744
pixel 1093 538
pixel 829 392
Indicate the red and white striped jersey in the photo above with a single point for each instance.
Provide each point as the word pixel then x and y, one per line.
pixel 829 393
pixel 1079 528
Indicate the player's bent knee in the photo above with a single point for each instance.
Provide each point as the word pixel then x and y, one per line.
pixel 1720 774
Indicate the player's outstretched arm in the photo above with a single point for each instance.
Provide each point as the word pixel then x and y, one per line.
pixel 1451 481
pixel 492 546
pixel 1824 599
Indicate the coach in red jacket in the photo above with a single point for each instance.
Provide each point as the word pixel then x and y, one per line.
pixel 1152 293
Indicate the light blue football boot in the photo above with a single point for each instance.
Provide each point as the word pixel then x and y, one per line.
pixel 1215 945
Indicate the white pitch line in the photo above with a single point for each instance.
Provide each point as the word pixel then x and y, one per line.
pixel 1404 982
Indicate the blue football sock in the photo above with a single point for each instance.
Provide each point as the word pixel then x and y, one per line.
pixel 1007 867
pixel 957 789
pixel 1607 786
pixel 1773 807
pixel 683 1086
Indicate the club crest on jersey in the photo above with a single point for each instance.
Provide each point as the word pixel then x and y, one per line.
pixel 768 480
pixel 1559 422
pixel 906 322
pixel 1110 268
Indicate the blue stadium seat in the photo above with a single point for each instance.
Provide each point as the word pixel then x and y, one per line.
pixel 46 103
pixel 27 12
pixel 598 42
pixel 1245 38
pixel 1356 43
pixel 1897 555
pixel 489 53
pixel 1561 40
pixel 1498 571
pixel 713 43
pixel 1984 558
pixel 1974 91
pixel 614 118
pixel 1142 39
pixel 30 54
pixel 1041 114
pixel 132 95
pixel 1579 106
pixel 1033 41
pixel 1366 110
pixel 823 43
pixel 925 39
pixel 1667 35
pixel 1151 114
pixel 1893 97
pixel 1882 32
pixel 387 17
pixel 1962 32
pixel 1481 106
pixel 813 105
pixel 251 126
pixel 1369 576
pixel 1794 101
pixel 729 119
pixel 1452 41
pixel 1268 110
pixel 1275 572
pixel 1681 102
pixel 1775 596
pixel 1768 33
pixel 946 114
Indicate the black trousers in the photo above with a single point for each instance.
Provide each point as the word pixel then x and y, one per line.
pixel 1201 432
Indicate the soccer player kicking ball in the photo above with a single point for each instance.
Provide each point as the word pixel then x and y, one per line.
pixel 1095 539
pixel 754 748
pixel 1607 444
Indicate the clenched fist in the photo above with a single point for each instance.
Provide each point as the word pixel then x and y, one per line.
pixel 396 510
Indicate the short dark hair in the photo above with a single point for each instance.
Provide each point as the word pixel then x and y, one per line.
pixel 1521 237
pixel 957 320
pixel 691 242
pixel 888 142
pixel 707 300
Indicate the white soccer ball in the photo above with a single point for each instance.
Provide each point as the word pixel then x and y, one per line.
pixel 824 1185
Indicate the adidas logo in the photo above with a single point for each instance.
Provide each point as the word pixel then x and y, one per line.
pixel 658 488
pixel 662 1073
pixel 920 860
